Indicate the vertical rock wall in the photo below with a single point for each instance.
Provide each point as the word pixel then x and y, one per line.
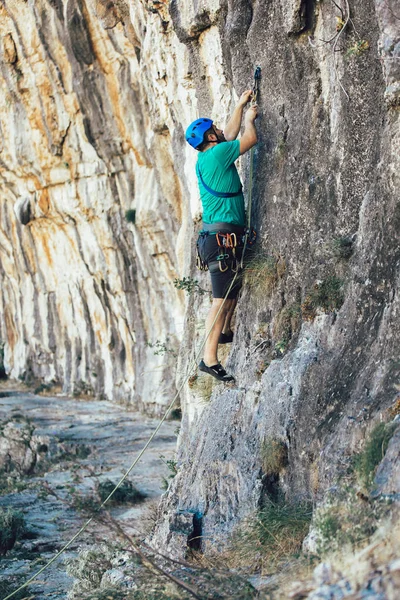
pixel 327 211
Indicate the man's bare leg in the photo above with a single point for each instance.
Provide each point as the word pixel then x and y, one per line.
pixel 211 345
pixel 227 324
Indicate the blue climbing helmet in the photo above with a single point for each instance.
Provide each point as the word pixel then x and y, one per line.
pixel 196 130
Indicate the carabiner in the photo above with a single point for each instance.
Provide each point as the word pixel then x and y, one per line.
pixel 217 235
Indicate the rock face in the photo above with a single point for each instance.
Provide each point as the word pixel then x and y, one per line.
pixel 96 97
pixel 18 451
pixel 315 350
pixel 88 126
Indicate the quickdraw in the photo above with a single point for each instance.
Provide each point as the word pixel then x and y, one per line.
pixel 200 263
pixel 250 235
pixel 256 86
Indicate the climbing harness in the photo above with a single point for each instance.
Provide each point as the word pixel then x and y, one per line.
pixel 246 237
pixel 226 258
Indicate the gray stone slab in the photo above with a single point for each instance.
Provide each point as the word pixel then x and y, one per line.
pixel 115 435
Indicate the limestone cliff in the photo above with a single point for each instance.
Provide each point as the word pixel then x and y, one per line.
pixel 91 127
pixel 94 98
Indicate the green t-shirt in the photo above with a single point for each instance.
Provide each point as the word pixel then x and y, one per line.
pixel 220 174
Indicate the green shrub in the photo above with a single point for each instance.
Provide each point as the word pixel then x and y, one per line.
pixel 161 348
pixel 130 216
pixel 343 247
pixel 8 585
pixel 374 450
pixel 327 295
pixel 88 568
pixel 12 525
pixel 189 285
pixel 357 48
pixel 11 483
pixel 172 468
pixel 125 494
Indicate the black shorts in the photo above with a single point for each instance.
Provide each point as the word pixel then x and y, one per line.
pixel 209 250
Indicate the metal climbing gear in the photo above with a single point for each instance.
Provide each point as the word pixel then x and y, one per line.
pixel 201 264
pixel 257 77
pixel 251 236
pixel 227 243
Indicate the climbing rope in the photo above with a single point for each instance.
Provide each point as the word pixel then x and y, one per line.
pixel 256 87
pixel 257 76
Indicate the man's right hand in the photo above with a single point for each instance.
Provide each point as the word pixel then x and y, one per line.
pixel 245 98
pixel 251 114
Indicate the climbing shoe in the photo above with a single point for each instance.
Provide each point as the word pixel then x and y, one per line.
pixel 225 338
pixel 216 371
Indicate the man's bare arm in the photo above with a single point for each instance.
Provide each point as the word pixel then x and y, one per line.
pixel 232 127
pixel 249 137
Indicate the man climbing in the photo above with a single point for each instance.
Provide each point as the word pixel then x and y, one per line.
pixel 220 243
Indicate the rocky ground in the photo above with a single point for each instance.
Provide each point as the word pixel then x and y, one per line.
pixel 63 449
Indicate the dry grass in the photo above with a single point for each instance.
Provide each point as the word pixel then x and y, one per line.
pixel 395 409
pixel 274 456
pixel 268 538
pixel 261 273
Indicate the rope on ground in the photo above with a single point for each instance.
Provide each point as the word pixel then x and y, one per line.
pixel 169 409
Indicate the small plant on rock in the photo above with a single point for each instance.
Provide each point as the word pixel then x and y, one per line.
pixel 343 247
pixel 357 48
pixel 8 585
pixel 12 526
pixel 88 569
pixel 161 348
pixel 347 518
pixel 327 295
pixel 172 466
pixel 261 272
pixel 189 285
pixel 126 493
pixel 395 409
pixel 286 326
